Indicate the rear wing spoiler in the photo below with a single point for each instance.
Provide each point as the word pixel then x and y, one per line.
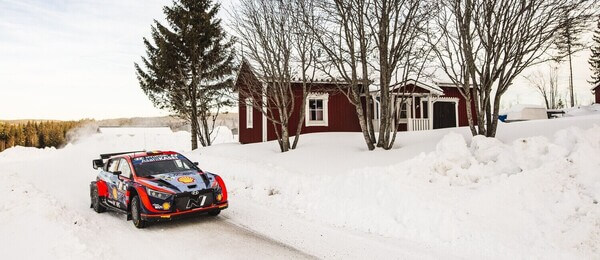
pixel 99 163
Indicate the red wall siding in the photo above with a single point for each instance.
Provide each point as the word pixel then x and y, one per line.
pixel 341 114
pixel 254 134
pixel 597 91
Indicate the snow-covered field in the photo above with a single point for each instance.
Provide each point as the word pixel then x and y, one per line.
pixel 531 193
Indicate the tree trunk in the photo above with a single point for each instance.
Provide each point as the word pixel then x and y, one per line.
pixel 285 139
pixel 571 91
pixel 301 116
pixel 491 132
pixel 361 120
pixel 194 120
pixel 470 115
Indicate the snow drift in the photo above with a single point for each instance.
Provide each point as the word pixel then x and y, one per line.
pixel 527 194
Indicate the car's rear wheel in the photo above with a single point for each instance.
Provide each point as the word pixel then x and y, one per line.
pixel 136 217
pixel 214 212
pixel 96 201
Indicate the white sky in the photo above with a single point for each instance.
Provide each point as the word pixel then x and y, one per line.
pixel 73 59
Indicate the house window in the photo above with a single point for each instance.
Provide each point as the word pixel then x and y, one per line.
pixel 316 110
pixel 249 113
pixel 404 111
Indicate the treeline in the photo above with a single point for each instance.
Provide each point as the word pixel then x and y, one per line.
pixel 35 134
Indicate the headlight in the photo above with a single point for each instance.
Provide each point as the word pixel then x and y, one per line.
pixel 158 194
pixel 215 185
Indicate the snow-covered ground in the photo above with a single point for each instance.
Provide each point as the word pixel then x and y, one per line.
pixel 531 193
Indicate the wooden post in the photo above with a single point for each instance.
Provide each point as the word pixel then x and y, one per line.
pixel 430 111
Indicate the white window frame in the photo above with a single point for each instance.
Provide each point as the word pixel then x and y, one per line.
pixel 408 110
pixel 325 98
pixel 249 113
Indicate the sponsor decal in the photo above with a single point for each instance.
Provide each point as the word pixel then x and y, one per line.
pixel 115 193
pixel 155 158
pixel 186 179
pixel 196 202
pixel 195 192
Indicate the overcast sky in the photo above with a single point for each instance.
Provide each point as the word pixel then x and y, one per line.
pixel 73 59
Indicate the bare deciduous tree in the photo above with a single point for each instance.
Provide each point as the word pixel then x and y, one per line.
pixel 398 28
pixel 280 49
pixel 339 33
pixel 546 84
pixel 492 42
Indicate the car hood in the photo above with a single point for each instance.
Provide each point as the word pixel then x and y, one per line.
pixel 179 181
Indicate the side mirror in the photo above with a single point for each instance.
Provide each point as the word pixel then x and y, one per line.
pixel 98 163
pixel 196 163
pixel 116 172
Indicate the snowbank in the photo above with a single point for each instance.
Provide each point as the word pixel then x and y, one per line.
pixel 535 196
pixel 593 109
pixel 531 193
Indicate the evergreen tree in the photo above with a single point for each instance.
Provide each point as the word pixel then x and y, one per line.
pixel 568 41
pixel 594 60
pixel 189 65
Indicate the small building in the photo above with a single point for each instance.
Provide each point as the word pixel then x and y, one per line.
pixel 523 112
pixel 425 106
pixel 596 91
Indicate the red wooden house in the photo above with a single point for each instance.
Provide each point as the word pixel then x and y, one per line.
pixel 426 106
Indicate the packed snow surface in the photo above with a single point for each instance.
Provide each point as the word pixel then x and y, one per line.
pixel 532 192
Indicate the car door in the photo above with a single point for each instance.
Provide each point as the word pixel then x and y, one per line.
pixel 123 181
pixel 112 181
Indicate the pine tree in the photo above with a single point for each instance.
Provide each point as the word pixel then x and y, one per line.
pixel 594 60
pixel 189 65
pixel 568 42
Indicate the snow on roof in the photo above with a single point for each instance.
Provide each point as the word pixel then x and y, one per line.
pixel 431 87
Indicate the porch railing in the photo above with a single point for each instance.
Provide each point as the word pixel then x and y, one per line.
pixel 418 124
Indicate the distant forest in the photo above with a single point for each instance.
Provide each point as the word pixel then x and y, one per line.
pixel 35 134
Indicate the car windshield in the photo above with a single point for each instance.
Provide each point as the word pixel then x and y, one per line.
pixel 153 165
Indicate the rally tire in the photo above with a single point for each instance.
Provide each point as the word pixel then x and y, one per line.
pixel 136 217
pixel 214 212
pixel 96 200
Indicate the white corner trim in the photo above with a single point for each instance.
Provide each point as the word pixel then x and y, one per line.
pixel 249 113
pixel 264 113
pixel 325 121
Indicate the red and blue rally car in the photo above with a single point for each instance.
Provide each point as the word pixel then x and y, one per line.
pixel 155 186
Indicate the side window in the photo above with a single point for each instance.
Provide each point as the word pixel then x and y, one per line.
pixel 316 109
pixel 124 168
pixel 113 165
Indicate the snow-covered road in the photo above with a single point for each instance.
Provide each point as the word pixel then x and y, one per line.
pixel 45 213
pixel 50 228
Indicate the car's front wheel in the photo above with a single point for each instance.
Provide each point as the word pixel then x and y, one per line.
pixel 96 200
pixel 136 217
pixel 214 212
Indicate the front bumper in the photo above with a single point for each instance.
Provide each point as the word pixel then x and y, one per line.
pixel 183 214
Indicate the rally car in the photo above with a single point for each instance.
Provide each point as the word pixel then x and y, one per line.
pixel 155 186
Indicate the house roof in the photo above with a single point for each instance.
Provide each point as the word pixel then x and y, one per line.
pixel 449 85
pixel 318 75
pixel 427 86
